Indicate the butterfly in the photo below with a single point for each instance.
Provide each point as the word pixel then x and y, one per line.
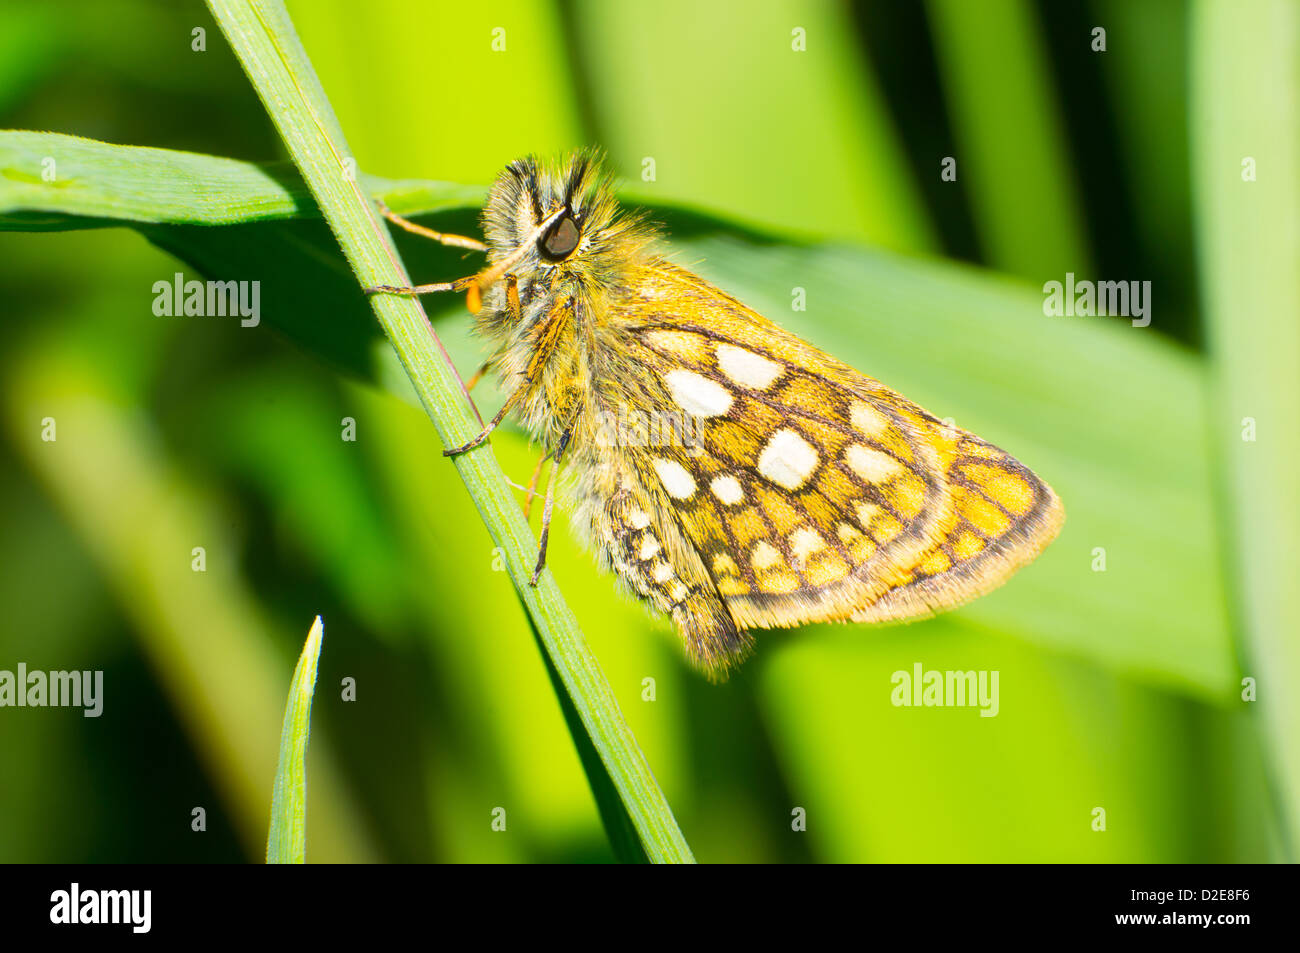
pixel 731 474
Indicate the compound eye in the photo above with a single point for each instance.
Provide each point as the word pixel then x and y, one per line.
pixel 562 238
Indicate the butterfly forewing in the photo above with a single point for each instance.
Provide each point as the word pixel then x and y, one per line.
pixel 813 491
pixel 809 492
pixel 1003 515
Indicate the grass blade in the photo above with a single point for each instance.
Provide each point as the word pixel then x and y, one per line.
pixel 1246 91
pixel 204 632
pixel 50 181
pixel 273 58
pixel 286 843
pixel 1014 154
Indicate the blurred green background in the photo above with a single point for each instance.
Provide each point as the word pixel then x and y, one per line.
pixel 776 167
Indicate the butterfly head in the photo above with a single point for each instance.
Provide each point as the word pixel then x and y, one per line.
pixel 561 223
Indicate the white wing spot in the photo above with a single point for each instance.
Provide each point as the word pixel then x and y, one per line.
pixel 866 513
pixel 874 466
pixel 649 546
pixel 675 478
pixel 662 572
pixel 765 556
pixel 868 419
pixel 679 592
pixel 787 460
pixel 747 368
pixel 638 519
pixel 727 489
pixel 805 542
pixel 697 395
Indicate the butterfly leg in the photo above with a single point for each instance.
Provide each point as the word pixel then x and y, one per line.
pixel 473 285
pixel 516 315
pixel 532 484
pixel 487 431
pixel 458 241
pixel 410 291
pixel 468 283
pixel 546 510
pixel 478 375
pixel 551 328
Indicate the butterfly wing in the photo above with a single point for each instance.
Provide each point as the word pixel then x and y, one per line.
pixel 812 492
pixel 1003 516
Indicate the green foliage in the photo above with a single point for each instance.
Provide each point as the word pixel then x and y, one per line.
pixel 286 839
pixel 990 357
pixel 1120 689
pixel 1247 84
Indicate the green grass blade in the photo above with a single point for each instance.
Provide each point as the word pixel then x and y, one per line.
pixel 1013 151
pixel 1246 94
pixel 379 93
pixel 50 181
pixel 286 842
pixel 618 823
pixel 850 178
pixel 205 633
pixel 273 58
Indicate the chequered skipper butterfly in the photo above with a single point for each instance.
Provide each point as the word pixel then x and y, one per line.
pixel 813 493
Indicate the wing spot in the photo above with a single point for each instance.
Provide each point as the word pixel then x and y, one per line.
pixel 863 549
pixel 873 466
pixel 661 572
pixel 732 586
pixel 779 582
pixel 649 547
pixel 1012 492
pixel 728 490
pixel 747 368
pixel 935 563
pixel 866 513
pixel 967 545
pixel 638 519
pixel 675 478
pixel 907 495
pixel 788 460
pixel 986 518
pixel 867 419
pixel 826 570
pixel 697 395
pixel 724 565
pixel 860 547
pixel 886 527
pixel 765 556
pixel 683 345
pixel 805 542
